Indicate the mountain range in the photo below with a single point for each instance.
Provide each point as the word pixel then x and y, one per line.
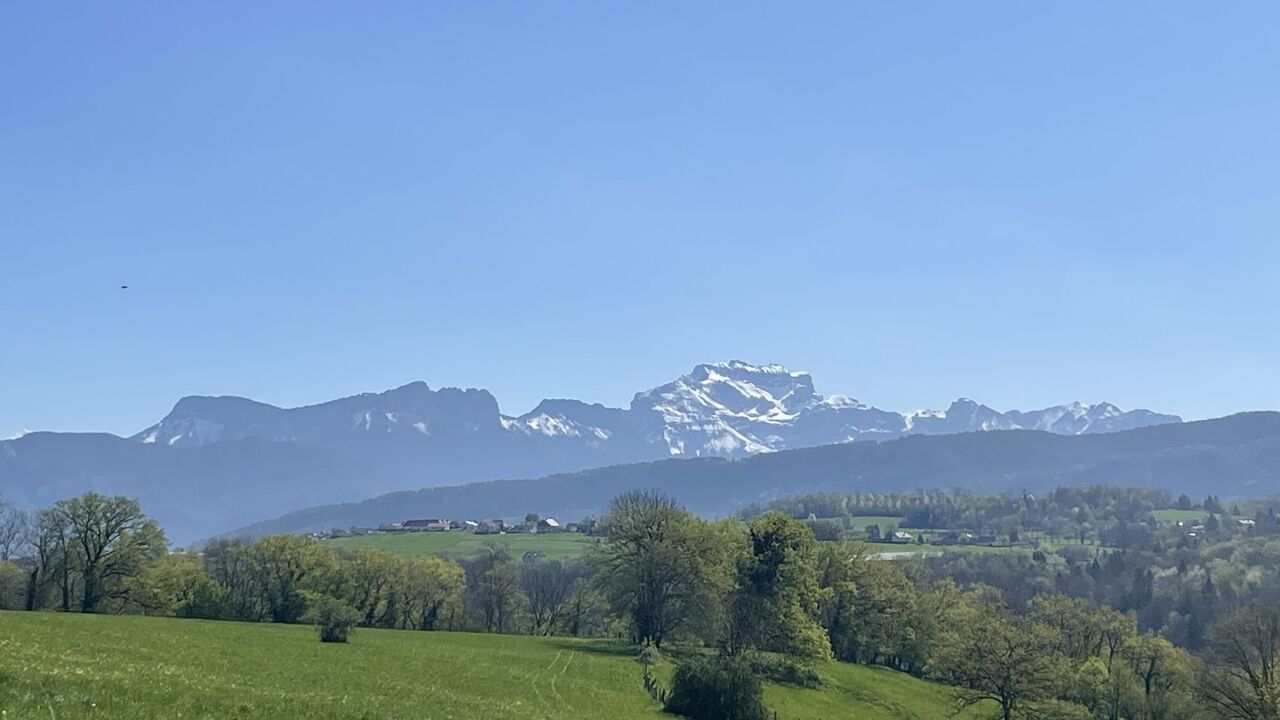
pixel 1235 456
pixel 215 463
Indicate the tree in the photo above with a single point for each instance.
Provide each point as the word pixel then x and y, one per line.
pixel 426 591
pixel 176 585
pixel 47 539
pixel 285 568
pixel 498 593
pixel 1184 502
pixel 110 540
pixel 230 564
pixel 990 656
pixel 1240 679
pixel 15 531
pixel 1160 670
pixel 547 586
pixel 373 578
pixel 774 605
pixel 660 567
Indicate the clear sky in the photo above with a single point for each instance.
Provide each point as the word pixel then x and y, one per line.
pixel 1025 203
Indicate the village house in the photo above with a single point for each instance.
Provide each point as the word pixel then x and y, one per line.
pixel 901 537
pixel 489 527
pixel 548 525
pixel 427 524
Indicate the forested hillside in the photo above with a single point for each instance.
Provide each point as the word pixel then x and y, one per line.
pixel 1237 455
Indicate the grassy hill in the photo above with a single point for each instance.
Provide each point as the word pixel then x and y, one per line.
pixel 459 544
pixel 74 667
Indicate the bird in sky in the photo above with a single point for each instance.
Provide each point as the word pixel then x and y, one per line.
pixel 124 287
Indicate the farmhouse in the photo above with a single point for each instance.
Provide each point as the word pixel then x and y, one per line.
pixel 901 536
pixel 953 538
pixel 549 525
pixel 489 527
pixel 428 524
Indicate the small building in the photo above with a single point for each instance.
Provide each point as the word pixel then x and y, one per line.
pixel 953 538
pixel 391 527
pixel 426 524
pixel 549 525
pixel 901 537
pixel 489 527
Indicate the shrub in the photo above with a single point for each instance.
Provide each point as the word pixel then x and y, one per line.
pixel 782 669
pixel 719 688
pixel 333 618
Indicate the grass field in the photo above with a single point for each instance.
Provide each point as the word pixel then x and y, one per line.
pixel 457 543
pixel 1169 516
pixel 862 522
pixel 75 667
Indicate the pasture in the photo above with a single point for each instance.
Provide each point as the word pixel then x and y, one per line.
pixel 78 667
pixel 462 544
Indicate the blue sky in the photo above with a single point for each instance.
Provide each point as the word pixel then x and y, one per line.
pixel 1026 203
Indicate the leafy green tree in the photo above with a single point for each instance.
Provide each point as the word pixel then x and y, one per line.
pixel 108 539
pixel 774 605
pixel 427 592
pixel 991 657
pixel 177 585
pixel 285 568
pixel 1161 672
pixel 661 568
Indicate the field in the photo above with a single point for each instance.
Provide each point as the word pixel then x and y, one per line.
pixel 860 523
pixel 1168 517
pixel 459 544
pixel 75 667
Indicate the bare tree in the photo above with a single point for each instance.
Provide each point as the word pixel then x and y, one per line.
pixel 15 531
pixel 1241 680
pixel 547 586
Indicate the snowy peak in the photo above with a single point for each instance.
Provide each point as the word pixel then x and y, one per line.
pixel 725 409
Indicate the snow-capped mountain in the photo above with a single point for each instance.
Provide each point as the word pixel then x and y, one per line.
pixel 731 409
pixel 215 463
pixel 726 409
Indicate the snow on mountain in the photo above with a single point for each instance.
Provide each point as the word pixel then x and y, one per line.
pixel 725 409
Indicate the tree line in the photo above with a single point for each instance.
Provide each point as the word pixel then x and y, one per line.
pixel 763 597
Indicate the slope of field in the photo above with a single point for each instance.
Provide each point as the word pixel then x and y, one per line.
pixel 74 667
pixel 460 544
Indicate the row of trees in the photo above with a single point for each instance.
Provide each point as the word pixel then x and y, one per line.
pixel 661 574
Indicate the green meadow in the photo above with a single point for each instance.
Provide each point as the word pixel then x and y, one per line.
pixel 1170 516
pixel 74 667
pixel 461 544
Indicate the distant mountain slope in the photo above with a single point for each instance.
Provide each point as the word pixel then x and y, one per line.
pixel 1237 455
pixel 215 463
pixel 193 492
pixel 729 409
